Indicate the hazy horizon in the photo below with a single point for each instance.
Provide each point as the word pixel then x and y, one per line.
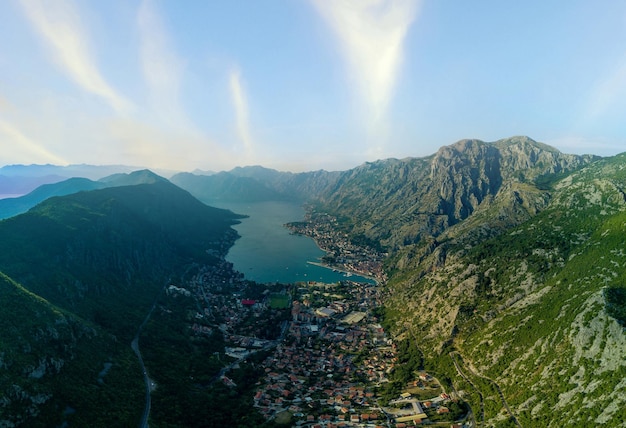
pixel 303 85
pixel 168 172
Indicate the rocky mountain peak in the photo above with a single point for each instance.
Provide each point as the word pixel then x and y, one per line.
pixel 419 197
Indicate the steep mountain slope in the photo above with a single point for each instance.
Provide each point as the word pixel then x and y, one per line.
pixel 418 198
pixel 79 274
pixel 536 310
pixel 507 271
pixel 55 367
pixel 110 243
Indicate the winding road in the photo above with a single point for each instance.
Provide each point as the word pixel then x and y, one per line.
pixel 146 411
pixel 481 416
pixel 493 382
pixel 149 382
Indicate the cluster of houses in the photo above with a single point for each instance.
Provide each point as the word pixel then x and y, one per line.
pixel 325 371
pixel 344 254
pixel 318 372
pixel 245 322
pixel 329 359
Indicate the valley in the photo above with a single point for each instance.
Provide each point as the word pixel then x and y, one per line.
pixel 312 353
pixel 495 299
pixel 312 214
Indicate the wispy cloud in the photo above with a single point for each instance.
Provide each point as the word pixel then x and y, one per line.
pixel 162 67
pixel 372 34
pixel 60 27
pixel 240 103
pixel 28 150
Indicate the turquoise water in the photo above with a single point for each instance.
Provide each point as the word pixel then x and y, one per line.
pixel 267 252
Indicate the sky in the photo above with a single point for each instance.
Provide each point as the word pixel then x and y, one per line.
pixel 300 85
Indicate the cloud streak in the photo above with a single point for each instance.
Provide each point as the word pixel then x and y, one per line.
pixel 372 34
pixel 30 150
pixel 240 103
pixel 162 68
pixel 59 26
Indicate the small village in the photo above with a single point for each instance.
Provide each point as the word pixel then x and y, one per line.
pixel 341 253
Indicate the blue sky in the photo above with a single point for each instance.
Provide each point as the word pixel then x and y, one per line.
pixel 304 84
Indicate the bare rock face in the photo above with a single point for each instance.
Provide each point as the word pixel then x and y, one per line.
pixel 465 174
pixel 400 202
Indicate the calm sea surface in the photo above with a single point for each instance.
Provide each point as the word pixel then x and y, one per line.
pixel 267 252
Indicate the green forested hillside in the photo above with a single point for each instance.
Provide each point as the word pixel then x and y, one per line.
pixel 79 275
pixel 107 252
pixel 10 207
pixel 55 367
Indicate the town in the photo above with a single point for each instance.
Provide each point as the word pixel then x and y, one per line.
pixel 334 362
pixel 326 359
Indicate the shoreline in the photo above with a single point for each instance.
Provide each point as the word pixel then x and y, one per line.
pixel 345 271
pixel 326 266
pixel 361 260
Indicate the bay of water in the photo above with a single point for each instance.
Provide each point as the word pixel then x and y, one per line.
pixel 266 252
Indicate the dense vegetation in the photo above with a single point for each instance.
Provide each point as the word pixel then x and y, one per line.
pixel 80 273
pixel 56 367
pixel 186 367
pixel 105 254
pixel 615 302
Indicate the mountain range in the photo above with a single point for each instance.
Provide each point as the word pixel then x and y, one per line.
pixel 505 261
pixel 18 180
